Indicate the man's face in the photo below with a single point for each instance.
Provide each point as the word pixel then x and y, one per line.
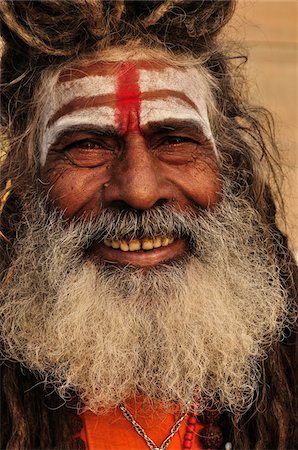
pixel 130 136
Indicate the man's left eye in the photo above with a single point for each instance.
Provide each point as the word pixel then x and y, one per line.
pixel 175 149
pixel 172 140
pixel 87 145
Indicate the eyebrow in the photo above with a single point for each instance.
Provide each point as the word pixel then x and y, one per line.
pixel 98 131
pixel 176 125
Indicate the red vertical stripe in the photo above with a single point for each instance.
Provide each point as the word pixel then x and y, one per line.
pixel 128 99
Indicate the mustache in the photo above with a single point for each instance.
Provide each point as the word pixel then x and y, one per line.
pixel 132 224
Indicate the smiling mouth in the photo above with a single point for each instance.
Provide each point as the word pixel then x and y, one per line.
pixel 139 244
pixel 139 252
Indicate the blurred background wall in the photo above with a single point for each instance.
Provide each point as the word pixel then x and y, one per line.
pixel 268 30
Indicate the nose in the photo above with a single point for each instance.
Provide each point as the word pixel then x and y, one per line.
pixel 135 178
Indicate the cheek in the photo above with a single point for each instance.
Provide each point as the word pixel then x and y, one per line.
pixel 200 183
pixel 76 192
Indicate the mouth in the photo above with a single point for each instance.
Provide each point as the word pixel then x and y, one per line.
pixel 139 252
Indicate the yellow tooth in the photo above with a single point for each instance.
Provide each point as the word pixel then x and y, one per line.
pixel 124 246
pixel 147 244
pixel 157 242
pixel 134 245
pixel 164 242
pixel 171 240
pixel 108 242
pixel 115 244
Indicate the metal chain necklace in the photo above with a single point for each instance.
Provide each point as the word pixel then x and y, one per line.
pixel 142 433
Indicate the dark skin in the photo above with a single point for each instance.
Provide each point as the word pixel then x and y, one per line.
pixel 165 162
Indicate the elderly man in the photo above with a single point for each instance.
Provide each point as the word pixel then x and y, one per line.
pixel 147 297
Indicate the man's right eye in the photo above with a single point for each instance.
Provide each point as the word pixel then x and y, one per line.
pixel 86 144
pixel 89 144
pixel 88 153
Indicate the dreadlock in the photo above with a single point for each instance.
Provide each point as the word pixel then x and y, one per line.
pixel 47 34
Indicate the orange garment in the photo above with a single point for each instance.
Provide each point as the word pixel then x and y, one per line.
pixel 114 432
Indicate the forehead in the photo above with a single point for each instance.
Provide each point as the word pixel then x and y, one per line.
pixel 147 73
pixel 103 81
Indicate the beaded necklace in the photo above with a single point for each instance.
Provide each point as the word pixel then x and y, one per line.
pixel 211 436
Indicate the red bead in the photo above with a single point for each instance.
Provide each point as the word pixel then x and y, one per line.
pixel 192 420
pixel 190 428
pixel 187 443
pixel 188 435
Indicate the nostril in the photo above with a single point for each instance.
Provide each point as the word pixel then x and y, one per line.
pixel 120 205
pixel 161 202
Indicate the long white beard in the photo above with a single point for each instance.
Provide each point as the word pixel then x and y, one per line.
pixel 193 329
